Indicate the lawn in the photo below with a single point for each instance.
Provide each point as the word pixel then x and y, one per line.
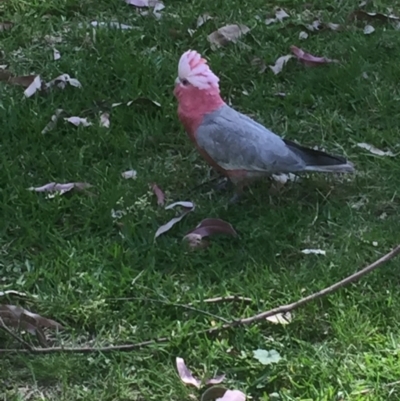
pixel 106 279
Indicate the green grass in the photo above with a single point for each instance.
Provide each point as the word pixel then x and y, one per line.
pixel 70 253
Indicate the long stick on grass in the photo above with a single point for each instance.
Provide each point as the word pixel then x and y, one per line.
pixel 241 322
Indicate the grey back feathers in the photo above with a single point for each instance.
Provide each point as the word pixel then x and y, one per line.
pixel 237 142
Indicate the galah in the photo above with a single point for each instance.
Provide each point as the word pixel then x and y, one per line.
pixel 234 144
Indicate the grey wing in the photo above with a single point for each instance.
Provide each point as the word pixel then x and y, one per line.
pixel 236 142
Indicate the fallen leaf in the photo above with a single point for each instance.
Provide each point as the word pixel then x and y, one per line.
pixel 6 25
pixel 7 76
pixel 129 174
pixel 187 208
pixel 281 14
pixel 56 54
pixel 363 15
pixel 53 121
pixel 368 29
pixel 185 374
pixel 227 34
pixel 53 39
pixel 159 194
pixel 12 292
pixel 202 19
pixel 77 121
pixel 111 24
pixel 280 318
pixel 20 318
pixel 233 395
pixel 105 120
pixel 266 357
pixel 313 252
pixel 139 100
pixel 375 150
pixel 260 63
pixel 62 80
pixel 216 379
pixel 33 87
pixel 280 63
pixel 308 59
pixel 333 27
pixel 208 227
pixel 303 35
pixel 61 188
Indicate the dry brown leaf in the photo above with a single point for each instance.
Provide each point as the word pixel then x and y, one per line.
pixel 227 34
pixel 207 228
pixel 280 63
pixel 20 318
pixel 185 374
pixel 6 25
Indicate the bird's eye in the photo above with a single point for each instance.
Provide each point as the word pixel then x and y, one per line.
pixel 184 82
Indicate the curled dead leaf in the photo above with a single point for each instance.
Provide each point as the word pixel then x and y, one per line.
pixel 227 34
pixel 260 63
pixel 280 63
pixel 207 228
pixel 202 19
pixel 216 379
pixel 77 121
pixel 62 188
pixel 53 121
pixel 56 54
pixel 185 374
pixel 308 59
pixel 105 120
pixel 187 208
pixel 280 318
pixel 374 150
pixel 33 87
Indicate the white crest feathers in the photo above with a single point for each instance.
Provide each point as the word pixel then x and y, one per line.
pixel 195 69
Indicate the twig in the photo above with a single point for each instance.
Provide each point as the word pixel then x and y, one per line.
pixel 240 322
pixel 168 303
pixel 14 336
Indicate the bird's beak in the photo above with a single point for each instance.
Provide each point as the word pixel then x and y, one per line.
pixel 177 81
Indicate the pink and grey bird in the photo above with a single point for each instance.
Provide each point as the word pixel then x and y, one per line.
pixel 235 145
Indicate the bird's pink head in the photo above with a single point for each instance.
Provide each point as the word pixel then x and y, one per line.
pixel 196 89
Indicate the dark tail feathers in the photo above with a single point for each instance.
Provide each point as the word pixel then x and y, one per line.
pixel 317 160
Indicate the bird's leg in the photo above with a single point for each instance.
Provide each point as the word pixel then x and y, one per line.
pixel 238 193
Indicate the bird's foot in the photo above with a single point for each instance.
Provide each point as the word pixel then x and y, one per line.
pixel 235 199
pixel 223 185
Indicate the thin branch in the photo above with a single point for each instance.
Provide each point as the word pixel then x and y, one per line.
pixel 168 303
pixel 242 322
pixel 228 298
pixel 14 336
